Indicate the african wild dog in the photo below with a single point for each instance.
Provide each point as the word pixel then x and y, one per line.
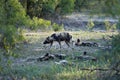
pixel 64 36
pixel 78 42
pixel 89 44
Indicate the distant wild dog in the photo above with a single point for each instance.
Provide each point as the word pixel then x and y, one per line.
pixel 64 36
pixel 89 44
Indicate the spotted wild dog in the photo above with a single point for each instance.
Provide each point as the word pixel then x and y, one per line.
pixel 64 36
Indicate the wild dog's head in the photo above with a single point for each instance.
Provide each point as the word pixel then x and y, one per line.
pixel 48 40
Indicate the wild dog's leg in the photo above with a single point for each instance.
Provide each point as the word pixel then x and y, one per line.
pixel 67 43
pixel 59 44
pixel 51 44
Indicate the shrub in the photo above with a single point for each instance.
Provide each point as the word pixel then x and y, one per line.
pixel 56 27
pixel 90 25
pixel 109 26
pixel 15 12
pixel 115 43
pixel 113 55
pixel 12 17
pixel 10 36
pixel 114 26
pixel 37 23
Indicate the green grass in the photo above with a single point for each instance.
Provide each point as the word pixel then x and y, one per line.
pixel 48 70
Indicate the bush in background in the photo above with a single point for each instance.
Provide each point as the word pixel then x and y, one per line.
pixel 90 25
pixel 56 27
pixel 115 43
pixel 10 36
pixel 38 23
pixel 12 18
pixel 44 25
pixel 109 26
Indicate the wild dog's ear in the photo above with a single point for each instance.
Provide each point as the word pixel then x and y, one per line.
pixel 48 37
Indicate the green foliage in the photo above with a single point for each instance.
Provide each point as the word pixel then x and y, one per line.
pixel 66 6
pixel 33 7
pixel 112 7
pixel 12 17
pixel 90 25
pixel 50 5
pixel 114 26
pixel 2 12
pixel 109 26
pixel 10 36
pixel 46 8
pixel 40 8
pixel 15 13
pixel 79 4
pixel 38 23
pixel 56 27
pixel 115 43
pixel 114 57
